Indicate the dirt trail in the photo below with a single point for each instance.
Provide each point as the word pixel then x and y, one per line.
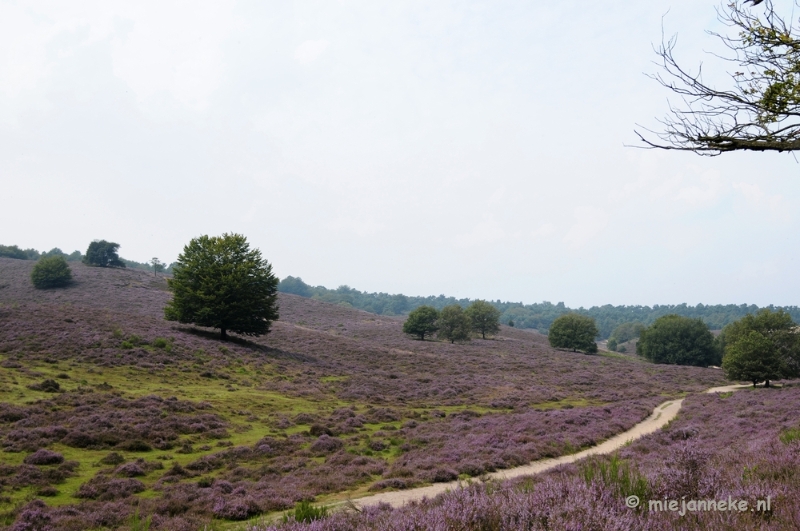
pixel 661 415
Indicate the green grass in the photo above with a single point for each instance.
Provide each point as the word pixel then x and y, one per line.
pixel 790 435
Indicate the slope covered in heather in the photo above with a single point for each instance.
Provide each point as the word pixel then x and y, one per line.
pixel 333 402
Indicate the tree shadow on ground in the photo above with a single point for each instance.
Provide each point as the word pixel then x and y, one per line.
pixel 246 343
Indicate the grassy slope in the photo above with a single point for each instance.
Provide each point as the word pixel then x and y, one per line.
pixel 318 359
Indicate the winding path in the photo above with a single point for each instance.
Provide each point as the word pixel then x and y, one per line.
pixel 661 415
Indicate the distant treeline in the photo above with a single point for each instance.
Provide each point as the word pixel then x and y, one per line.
pixel 538 316
pixel 13 251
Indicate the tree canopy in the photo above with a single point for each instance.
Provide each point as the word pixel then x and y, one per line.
pixel 677 340
pixel 454 324
pixel 422 322
pixel 221 283
pixel 759 110
pixel 761 347
pixel 51 272
pixel 103 254
pixel 574 331
pixel 484 317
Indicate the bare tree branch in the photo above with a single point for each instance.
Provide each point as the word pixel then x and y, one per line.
pixel 759 112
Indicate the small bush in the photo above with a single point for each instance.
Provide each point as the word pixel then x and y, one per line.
pixel 51 272
pixel 113 459
pixel 160 342
pixel 44 457
pixel 305 512
pixel 790 435
pixel 136 446
pixel 48 386
pixel 616 474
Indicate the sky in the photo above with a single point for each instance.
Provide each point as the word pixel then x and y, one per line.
pixel 474 149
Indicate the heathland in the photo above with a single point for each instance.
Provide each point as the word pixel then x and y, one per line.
pixel 109 413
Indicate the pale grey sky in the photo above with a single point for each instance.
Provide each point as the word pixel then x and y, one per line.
pixel 474 149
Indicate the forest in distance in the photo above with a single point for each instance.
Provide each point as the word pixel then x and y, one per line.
pixel 538 316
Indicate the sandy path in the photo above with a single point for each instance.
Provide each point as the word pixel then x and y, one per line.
pixel 661 415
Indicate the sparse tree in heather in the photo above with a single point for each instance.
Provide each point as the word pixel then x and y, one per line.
pixel 484 317
pixel 421 322
pixel 103 254
pixel 761 347
pixel 219 282
pixel 454 324
pixel 51 272
pixel 574 331
pixel 158 265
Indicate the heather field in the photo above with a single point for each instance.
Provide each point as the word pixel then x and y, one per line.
pixel 740 447
pixel 108 411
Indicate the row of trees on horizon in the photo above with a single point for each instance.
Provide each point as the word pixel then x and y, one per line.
pixel 14 251
pixel 537 316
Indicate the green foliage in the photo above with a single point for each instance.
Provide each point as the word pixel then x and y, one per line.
pixel 12 251
pixel 484 318
pixel 677 340
pixel 617 474
pixel 454 324
pixel 421 321
pixel 295 286
pixel 574 331
pixel 103 254
pixel 219 282
pixel 305 512
pixel 612 344
pixel 789 436
pixel 761 347
pixel 137 524
pixel 51 272
pixel 627 331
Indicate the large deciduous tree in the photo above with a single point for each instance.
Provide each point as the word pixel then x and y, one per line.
pixel 761 347
pixel 574 331
pixel 454 324
pixel 103 254
pixel 485 318
pixel 758 111
pixel 421 322
pixel 673 339
pixel 221 283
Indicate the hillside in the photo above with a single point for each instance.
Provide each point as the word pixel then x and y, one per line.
pixel 333 402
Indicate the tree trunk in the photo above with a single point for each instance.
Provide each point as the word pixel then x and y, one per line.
pixel 766 383
pixel 483 334
pixel 223 334
pixel 754 384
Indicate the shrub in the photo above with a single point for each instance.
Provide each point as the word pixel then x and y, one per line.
pixel 48 386
pixel 104 489
pixel 44 457
pixel 51 272
pixel 326 444
pixel 305 512
pixel 113 459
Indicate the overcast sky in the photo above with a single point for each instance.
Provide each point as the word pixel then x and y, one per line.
pixel 470 148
